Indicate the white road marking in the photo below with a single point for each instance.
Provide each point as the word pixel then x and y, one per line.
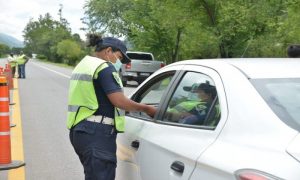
pixel 66 76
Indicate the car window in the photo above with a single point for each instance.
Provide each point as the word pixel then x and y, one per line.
pixel 194 102
pixel 153 93
pixel 282 95
pixel 139 56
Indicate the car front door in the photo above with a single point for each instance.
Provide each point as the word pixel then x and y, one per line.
pixel 128 142
pixel 167 147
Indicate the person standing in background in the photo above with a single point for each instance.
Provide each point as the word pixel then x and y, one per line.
pixel 21 61
pixel 13 63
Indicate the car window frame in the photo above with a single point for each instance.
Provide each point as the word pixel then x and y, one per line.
pixel 172 89
pixel 136 95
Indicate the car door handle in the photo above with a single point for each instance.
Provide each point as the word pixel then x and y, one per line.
pixel 135 144
pixel 177 166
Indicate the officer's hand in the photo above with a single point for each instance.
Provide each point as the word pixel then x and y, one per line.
pixel 151 111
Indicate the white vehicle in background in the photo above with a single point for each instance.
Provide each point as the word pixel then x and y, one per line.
pixel 142 65
pixel 34 56
pixel 255 135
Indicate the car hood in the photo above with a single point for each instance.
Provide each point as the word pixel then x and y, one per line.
pixel 294 148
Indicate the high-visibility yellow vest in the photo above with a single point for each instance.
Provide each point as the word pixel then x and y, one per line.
pixel 12 62
pixel 187 106
pixel 82 97
pixel 21 59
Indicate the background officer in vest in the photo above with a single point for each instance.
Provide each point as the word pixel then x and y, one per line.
pixel 13 63
pixel 96 107
pixel 21 61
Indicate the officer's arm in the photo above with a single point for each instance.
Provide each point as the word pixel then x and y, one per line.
pixel 118 99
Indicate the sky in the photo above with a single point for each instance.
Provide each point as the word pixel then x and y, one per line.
pixel 15 14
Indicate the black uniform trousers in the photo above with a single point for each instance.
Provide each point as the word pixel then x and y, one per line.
pixel 95 144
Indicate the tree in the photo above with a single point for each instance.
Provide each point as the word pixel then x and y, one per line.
pixel 156 31
pixel 69 50
pixel 43 35
pixel 4 49
pixel 184 29
pixel 17 50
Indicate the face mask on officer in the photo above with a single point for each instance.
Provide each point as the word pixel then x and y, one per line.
pixel 118 63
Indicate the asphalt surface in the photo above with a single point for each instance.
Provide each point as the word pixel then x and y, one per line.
pixel 43 100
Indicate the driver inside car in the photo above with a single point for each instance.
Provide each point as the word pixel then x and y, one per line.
pixel 193 111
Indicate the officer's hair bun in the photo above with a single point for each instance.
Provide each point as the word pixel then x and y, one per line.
pixel 93 40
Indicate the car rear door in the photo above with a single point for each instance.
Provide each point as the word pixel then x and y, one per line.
pixel 169 150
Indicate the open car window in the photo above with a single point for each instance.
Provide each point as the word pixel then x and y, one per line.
pixel 152 93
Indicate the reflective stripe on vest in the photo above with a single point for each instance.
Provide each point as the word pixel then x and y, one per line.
pixel 119 113
pixel 82 77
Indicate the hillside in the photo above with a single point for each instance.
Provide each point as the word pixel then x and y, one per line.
pixel 10 41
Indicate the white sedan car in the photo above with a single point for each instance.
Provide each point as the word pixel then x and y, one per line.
pixel 248 130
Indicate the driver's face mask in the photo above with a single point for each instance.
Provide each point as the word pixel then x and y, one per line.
pixel 193 96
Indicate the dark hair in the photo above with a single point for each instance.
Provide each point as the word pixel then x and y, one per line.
pixel 293 51
pixel 95 40
pixel 208 89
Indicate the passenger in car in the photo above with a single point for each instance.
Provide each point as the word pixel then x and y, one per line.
pixel 194 112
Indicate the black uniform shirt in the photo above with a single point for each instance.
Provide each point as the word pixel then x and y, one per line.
pixel 106 84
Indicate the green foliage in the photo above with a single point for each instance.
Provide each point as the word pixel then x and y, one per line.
pixel 42 36
pixel 184 29
pixel 4 49
pixel 40 56
pixel 46 36
pixel 175 30
pixel 17 50
pixel 69 50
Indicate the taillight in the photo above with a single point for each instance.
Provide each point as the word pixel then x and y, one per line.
pixel 128 66
pixel 251 174
pixel 162 65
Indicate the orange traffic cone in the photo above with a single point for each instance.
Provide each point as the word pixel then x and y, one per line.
pixel 5 147
pixel 8 73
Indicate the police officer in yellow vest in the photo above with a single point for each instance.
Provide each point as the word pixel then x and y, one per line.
pixel 96 107
pixel 13 63
pixel 21 61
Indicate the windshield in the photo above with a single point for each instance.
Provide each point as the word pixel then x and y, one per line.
pixel 283 96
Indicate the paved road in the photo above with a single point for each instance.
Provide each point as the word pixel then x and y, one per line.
pixel 43 100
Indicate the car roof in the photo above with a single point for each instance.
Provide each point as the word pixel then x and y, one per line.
pixel 254 68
